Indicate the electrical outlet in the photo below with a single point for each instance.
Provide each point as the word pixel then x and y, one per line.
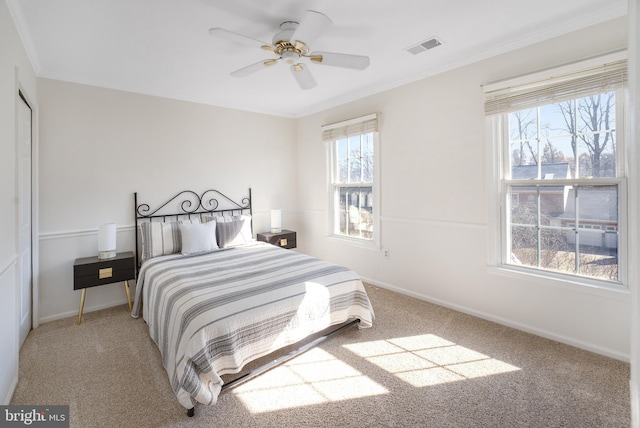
pixel 385 253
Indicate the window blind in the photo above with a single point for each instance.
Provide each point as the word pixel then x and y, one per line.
pixel 600 79
pixel 348 128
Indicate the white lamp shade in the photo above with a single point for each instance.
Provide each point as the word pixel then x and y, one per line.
pixel 107 241
pixel 276 221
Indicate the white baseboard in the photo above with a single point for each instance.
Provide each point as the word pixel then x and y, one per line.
pixel 86 310
pixel 503 321
pixel 12 390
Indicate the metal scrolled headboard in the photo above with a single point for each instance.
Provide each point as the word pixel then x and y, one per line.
pixel 188 203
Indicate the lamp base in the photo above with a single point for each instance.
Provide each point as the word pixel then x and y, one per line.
pixel 276 230
pixel 106 254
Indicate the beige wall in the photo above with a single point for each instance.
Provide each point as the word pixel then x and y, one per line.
pixel 99 146
pixel 15 72
pixel 434 201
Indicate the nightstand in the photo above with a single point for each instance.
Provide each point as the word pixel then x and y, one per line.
pixel 92 271
pixel 284 239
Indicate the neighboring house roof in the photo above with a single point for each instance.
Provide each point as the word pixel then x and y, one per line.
pixel 596 203
pixel 549 171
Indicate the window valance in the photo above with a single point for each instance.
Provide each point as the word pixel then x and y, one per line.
pixel 608 76
pixel 348 128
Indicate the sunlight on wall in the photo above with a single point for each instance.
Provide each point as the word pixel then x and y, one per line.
pixel 429 360
pixel 312 378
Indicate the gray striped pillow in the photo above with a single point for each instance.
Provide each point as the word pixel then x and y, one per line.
pixel 232 230
pixel 160 239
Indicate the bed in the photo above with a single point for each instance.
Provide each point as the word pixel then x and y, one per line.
pixel 215 299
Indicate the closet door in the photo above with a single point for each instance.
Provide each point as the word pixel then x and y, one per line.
pixel 24 269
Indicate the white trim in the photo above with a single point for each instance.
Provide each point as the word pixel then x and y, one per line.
pixel 534 79
pixel 12 390
pixel 633 203
pixel 35 197
pixel 504 321
pixel 349 122
pixel 5 267
pixel 610 181
pixel 15 10
pixel 87 309
pixel 363 243
pixel 430 222
pixel 416 221
pixel 497 153
pixel 493 160
pixel 330 148
pixel 11 262
pixel 603 288
pixel 79 233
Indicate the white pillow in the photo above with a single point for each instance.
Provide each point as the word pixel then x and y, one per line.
pixel 198 238
pixel 159 239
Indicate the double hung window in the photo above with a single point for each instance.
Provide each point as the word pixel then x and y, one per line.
pixel 352 150
pixel 559 172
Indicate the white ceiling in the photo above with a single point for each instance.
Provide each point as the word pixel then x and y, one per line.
pixel 162 47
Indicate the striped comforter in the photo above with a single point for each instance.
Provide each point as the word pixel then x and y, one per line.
pixel 211 314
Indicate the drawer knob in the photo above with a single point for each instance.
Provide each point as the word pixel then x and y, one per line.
pixel 105 273
pixel 283 242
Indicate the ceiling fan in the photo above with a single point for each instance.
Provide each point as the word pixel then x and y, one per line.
pixel 291 45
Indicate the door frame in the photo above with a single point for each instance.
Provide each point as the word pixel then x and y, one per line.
pixel 35 210
pixel 633 146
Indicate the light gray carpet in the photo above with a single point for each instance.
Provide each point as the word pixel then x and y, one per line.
pixel 421 365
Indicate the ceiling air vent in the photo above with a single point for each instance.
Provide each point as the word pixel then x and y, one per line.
pixel 424 46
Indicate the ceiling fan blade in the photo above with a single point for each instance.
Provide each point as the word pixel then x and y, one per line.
pixel 312 25
pixel 356 62
pixel 303 76
pixel 239 38
pixel 250 69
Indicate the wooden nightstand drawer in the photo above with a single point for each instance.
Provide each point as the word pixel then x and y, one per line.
pixel 91 271
pixel 284 239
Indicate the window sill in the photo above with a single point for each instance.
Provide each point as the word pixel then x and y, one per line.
pixel 603 288
pixel 367 244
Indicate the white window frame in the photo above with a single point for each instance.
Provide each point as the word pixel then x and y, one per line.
pixel 497 161
pixel 331 134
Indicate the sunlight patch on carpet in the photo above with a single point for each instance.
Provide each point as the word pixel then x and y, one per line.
pixel 428 360
pixel 314 377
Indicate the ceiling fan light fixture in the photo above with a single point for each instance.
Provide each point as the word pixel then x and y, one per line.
pixel 291 57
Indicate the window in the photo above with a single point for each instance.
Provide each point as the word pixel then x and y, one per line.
pixel 559 171
pixel 352 146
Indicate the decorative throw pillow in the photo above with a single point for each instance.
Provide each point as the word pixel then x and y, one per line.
pixel 162 238
pixel 198 238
